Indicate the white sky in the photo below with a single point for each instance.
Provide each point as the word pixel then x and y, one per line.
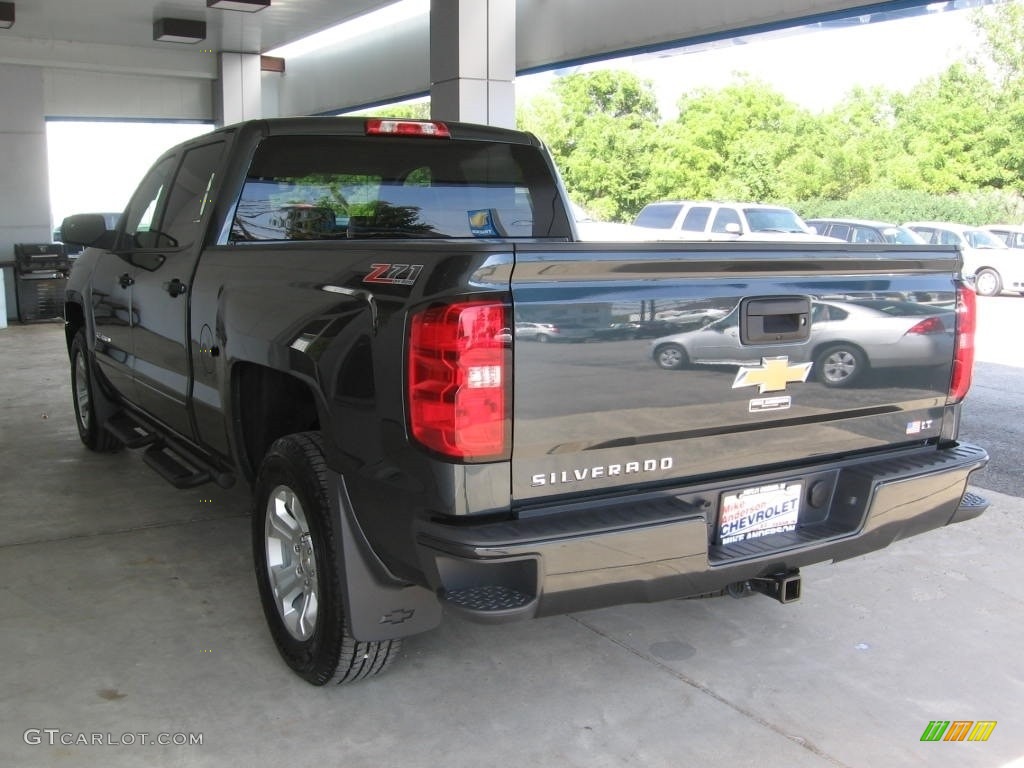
pixel 94 167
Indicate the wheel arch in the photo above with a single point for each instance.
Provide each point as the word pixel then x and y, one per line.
pixel 266 404
pixel 74 321
pixel 818 349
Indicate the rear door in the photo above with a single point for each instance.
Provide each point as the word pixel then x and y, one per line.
pixel 604 414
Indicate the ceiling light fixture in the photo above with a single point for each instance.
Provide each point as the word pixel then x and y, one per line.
pixel 6 15
pixel 248 6
pixel 179 30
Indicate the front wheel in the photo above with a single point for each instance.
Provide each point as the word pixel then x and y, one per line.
pixel 840 365
pixel 83 390
pixel 988 283
pixel 671 357
pixel 296 551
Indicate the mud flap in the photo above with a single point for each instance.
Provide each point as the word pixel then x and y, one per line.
pixel 378 606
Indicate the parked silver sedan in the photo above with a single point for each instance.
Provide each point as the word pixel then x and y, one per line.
pixel 847 338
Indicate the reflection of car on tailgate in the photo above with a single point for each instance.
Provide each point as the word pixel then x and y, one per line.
pixel 847 338
pixel 551 332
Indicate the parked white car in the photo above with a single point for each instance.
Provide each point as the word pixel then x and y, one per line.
pixel 590 229
pixel 706 220
pixel 995 266
pixel 1011 234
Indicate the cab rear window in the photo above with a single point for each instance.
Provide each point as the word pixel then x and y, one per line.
pixel 353 187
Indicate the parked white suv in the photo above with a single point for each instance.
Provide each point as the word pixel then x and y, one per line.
pixel 1011 234
pixel 705 220
pixel 995 266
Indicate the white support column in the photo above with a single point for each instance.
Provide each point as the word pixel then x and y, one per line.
pixel 238 91
pixel 24 176
pixel 473 61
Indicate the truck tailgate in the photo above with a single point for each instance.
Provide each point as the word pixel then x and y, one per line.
pixel 697 361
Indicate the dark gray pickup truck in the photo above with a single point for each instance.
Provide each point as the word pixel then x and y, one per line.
pixel 326 309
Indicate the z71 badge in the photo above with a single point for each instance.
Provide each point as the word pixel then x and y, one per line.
pixel 394 274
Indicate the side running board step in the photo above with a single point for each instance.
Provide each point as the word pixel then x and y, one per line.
pixel 129 431
pixel 173 468
pixel 173 461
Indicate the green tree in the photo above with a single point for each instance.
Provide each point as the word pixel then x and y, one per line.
pixel 745 141
pixel 601 130
pixel 948 134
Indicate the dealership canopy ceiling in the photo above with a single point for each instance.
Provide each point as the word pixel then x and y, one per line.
pixel 117 36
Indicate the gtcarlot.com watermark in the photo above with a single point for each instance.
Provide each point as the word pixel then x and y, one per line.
pixel 56 737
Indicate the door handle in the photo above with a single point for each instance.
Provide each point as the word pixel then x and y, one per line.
pixel 175 288
pixel 125 280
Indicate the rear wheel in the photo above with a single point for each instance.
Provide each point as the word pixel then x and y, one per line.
pixel 840 365
pixel 296 549
pixel 671 357
pixel 988 283
pixel 83 390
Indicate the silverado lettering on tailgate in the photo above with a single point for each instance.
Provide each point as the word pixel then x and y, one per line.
pixel 595 473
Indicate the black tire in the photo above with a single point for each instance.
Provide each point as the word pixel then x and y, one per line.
pixel 83 396
pixel 542 338
pixel 988 282
pixel 291 489
pixel 671 357
pixel 840 365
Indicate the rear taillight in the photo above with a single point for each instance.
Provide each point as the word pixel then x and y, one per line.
pixel 963 349
pixel 927 326
pixel 458 380
pixel 426 128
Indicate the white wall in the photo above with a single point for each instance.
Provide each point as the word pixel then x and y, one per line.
pixel 76 93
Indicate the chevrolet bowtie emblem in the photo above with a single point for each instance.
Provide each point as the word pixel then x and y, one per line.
pixel 772 375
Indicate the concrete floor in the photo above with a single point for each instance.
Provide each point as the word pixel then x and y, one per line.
pixel 128 607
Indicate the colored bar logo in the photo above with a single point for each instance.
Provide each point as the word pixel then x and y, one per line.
pixel 958 730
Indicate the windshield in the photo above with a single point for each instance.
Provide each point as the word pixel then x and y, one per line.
pixel 979 238
pixel 773 220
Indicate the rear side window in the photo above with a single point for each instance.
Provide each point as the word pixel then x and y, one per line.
pixel 659 216
pixel 842 231
pixel 191 194
pixel 866 235
pixel 696 219
pixel 353 187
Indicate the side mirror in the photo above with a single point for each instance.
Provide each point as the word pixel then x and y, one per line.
pixel 732 228
pixel 88 229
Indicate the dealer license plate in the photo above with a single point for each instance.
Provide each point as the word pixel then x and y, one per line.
pixel 761 511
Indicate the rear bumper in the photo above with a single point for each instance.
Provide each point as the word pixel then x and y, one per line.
pixel 650 547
